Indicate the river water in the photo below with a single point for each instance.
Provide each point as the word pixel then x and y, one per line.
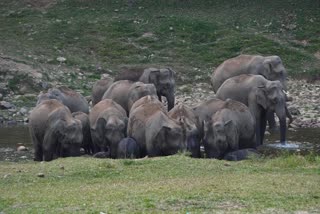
pixel 302 140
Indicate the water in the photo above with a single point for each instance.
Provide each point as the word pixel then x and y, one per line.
pixel 302 140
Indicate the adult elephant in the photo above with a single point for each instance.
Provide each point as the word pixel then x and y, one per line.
pixel 99 88
pixel 54 132
pixel 87 144
pixel 185 116
pixel 260 95
pixel 125 92
pixel 70 98
pixel 270 67
pixel 163 79
pixel 230 129
pixel 108 122
pixel 154 131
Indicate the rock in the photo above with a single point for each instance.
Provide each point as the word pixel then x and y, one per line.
pixel 23 111
pixel 40 175
pixel 61 59
pixel 6 176
pixel 294 110
pixel 6 105
pixel 22 149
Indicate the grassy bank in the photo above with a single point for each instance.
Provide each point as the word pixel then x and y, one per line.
pixel 191 36
pixel 176 184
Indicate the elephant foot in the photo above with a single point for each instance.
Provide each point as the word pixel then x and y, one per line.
pixel 284 142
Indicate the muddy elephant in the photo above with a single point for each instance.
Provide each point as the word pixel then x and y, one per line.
pixel 70 98
pixel 128 148
pixel 99 88
pixel 163 79
pixel 54 132
pixel 154 131
pixel 126 92
pixel 108 123
pixel 229 129
pixel 260 95
pixel 270 67
pixel 87 144
pixel 185 116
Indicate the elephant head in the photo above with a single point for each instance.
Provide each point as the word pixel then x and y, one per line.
pixel 163 136
pixel 67 134
pixel 109 131
pixel 138 90
pixel 164 81
pixel 271 97
pixel 275 70
pixel 217 138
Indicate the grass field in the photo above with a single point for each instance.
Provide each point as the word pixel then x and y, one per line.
pixel 175 184
pixel 193 37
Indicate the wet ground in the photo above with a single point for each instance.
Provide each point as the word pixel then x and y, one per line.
pixel 302 141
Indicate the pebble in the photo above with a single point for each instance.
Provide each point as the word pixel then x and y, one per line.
pixel 22 149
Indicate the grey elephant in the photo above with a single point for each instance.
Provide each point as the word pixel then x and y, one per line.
pixel 99 88
pixel 185 116
pixel 108 123
pixel 242 154
pixel 260 95
pixel 229 129
pixel 128 148
pixel 126 92
pixel 163 79
pixel 70 98
pixel 154 131
pixel 270 67
pixel 87 144
pixel 54 132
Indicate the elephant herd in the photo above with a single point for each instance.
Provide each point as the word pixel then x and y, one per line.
pixel 129 120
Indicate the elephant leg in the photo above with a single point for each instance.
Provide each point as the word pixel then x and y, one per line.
pixel 38 156
pixel 283 130
pixel 47 155
pixel 263 125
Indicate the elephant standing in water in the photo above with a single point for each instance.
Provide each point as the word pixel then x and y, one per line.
pixel 154 131
pixel 108 122
pixel 73 100
pixel 184 115
pixel 163 79
pixel 230 128
pixel 55 133
pixel 125 92
pixel 260 95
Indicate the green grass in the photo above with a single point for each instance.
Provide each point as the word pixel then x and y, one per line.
pixel 184 34
pixel 176 184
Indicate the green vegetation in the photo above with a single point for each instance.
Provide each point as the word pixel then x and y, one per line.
pixel 182 34
pixel 175 184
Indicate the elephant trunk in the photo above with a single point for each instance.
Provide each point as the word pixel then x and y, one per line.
pixel 281 113
pixel 171 99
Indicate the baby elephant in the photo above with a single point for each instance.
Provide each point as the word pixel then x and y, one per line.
pixel 128 148
pixel 230 128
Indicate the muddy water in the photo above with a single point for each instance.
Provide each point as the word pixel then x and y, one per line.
pixel 302 141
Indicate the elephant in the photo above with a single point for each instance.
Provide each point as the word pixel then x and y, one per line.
pixel 241 154
pixel 260 95
pixel 72 99
pixel 229 129
pixel 154 131
pixel 87 144
pixel 185 116
pixel 128 148
pixel 99 88
pixel 163 79
pixel 271 67
pixel 126 92
pixel 54 132
pixel 108 124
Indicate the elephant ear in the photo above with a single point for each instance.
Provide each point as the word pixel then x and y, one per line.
pixel 154 76
pixel 267 64
pixel 261 97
